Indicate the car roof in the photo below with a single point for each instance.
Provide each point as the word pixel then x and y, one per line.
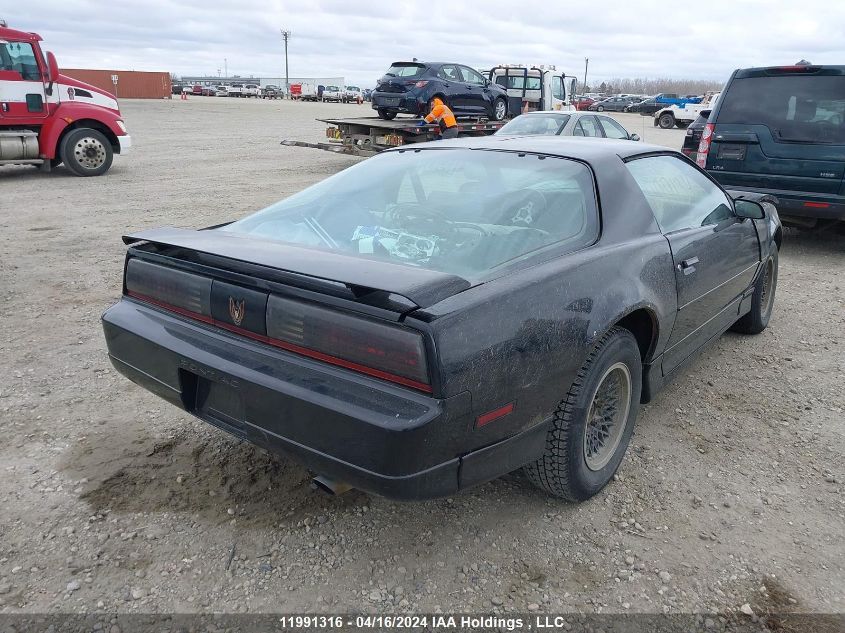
pixel 586 149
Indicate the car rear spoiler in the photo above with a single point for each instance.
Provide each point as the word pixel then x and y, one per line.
pixel 420 286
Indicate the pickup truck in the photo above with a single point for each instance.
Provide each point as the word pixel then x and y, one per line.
pixel 333 93
pixel 682 116
pixel 672 98
pixel 271 91
pixel 252 90
pixel 236 90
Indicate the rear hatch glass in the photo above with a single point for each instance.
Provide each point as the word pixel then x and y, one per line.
pixel 405 70
pixel 795 108
pixel 455 211
pixel 781 132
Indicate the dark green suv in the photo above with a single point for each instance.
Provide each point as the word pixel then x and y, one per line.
pixel 781 131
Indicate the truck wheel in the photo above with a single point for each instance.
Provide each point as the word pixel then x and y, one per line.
pixel 762 301
pixel 387 115
pixel 593 424
pixel 500 109
pixel 666 121
pixel 86 152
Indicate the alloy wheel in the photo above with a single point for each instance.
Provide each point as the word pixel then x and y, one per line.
pixel 607 416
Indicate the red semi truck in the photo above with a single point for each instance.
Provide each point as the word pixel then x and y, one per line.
pixel 47 118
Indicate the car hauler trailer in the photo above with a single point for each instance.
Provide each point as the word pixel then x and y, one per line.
pixel 366 136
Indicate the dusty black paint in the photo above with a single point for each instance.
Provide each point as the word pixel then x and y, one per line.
pixel 518 335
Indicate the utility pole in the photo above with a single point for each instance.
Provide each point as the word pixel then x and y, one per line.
pixel 586 64
pixel 286 36
pixel 225 68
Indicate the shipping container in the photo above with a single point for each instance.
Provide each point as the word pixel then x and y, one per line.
pixel 131 84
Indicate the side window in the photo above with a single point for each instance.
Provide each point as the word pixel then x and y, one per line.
pixel 557 88
pixel 471 76
pixel 680 196
pixel 612 129
pixel 588 127
pixel 449 73
pixel 19 57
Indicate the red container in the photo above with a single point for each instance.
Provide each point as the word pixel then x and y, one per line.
pixel 131 84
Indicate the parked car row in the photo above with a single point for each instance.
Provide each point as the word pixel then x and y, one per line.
pixel 230 90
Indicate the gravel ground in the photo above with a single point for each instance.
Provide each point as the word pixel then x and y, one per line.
pixel 731 499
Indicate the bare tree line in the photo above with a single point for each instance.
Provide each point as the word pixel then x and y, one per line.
pixel 643 86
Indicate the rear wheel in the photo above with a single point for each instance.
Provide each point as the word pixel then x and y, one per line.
pixel 87 152
pixel 594 423
pixel 500 109
pixel 762 301
pixel 666 121
pixel 600 109
pixel 387 115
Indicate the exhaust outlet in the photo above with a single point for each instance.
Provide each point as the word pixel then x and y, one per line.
pixel 330 486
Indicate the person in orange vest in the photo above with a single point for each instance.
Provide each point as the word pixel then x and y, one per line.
pixel 441 114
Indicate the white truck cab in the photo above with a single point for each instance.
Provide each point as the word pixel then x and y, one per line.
pixel 333 93
pixel 532 88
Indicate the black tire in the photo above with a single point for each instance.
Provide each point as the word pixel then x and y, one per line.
pixel 563 470
pixel 499 111
pixel 599 108
pixel 86 152
pixel 666 121
pixel 387 115
pixel 762 301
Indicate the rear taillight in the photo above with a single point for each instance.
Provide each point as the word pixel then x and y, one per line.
pixel 175 289
pixel 370 347
pixel 377 349
pixel 704 145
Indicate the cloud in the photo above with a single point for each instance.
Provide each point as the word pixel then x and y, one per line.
pixel 645 38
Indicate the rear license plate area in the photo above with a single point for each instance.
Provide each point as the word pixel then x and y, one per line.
pixel 215 402
pixel 731 152
pixel 389 101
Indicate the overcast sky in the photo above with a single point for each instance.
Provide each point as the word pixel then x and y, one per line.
pixel 359 39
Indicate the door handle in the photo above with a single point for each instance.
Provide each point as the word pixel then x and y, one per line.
pixel 688 265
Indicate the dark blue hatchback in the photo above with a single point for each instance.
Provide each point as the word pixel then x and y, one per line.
pixel 409 88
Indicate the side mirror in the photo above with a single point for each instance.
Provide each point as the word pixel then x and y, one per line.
pixel 633 137
pixel 52 67
pixel 749 209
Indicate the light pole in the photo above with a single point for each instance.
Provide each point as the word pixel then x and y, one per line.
pixel 225 68
pixel 586 64
pixel 286 36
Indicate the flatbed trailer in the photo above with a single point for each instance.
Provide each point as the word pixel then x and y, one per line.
pixel 367 136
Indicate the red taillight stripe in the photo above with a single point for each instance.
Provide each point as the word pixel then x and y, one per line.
pixel 488 417
pixel 172 308
pixel 817 205
pixel 290 347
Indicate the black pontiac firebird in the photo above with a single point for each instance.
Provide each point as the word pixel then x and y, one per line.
pixel 439 315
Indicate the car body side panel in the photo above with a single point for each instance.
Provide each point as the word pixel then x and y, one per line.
pixel 523 337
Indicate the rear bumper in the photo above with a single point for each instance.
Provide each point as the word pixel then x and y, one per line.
pixel 393 102
pixel 370 434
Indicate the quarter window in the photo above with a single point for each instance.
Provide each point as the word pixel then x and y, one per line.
pixel 680 196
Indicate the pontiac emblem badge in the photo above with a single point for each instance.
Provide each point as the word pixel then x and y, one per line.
pixel 237 309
